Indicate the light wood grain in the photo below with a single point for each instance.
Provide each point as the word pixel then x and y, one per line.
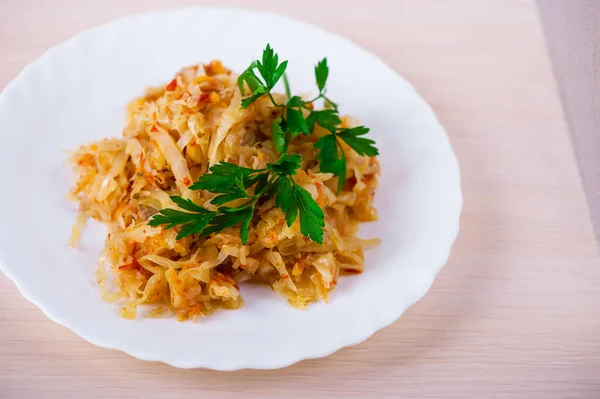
pixel 514 314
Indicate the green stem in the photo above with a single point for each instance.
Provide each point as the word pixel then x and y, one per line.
pixel 327 100
pixel 275 103
pixel 286 84
pixel 315 99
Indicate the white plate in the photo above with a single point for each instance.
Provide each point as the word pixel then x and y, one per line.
pixel 76 93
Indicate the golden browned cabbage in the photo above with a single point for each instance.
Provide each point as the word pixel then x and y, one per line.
pixel 172 135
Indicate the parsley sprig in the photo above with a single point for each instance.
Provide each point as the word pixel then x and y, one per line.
pixel 246 188
pixel 293 121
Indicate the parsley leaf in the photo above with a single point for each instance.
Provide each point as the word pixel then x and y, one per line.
pixel 330 159
pixel 278 135
pixel 194 227
pixel 172 218
pixel 192 223
pixel 225 198
pixel 229 217
pixel 260 181
pixel 295 101
pixel 321 73
pixel 221 178
pixel 259 92
pixel 245 226
pixel 312 219
pixel 286 165
pixel 231 181
pixel 285 199
pixel 295 122
pixel 270 69
pixel 187 204
pixel 291 199
pixel 277 74
pixel 327 118
pixel 361 145
pixel 250 78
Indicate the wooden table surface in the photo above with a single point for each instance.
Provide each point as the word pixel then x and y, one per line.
pixel 516 311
